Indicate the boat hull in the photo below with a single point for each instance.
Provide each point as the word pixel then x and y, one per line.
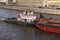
pixel 20 22
pixel 25 23
pixel 49 29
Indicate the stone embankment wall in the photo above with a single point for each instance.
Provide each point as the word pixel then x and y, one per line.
pixel 40 10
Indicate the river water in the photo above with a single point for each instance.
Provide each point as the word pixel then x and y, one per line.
pixel 10 31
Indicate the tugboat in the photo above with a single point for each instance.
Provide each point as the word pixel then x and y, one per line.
pixel 26 17
pixel 49 23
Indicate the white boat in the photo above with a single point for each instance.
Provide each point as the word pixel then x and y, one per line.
pixel 26 17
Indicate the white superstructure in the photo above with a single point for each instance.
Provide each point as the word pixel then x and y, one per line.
pixel 26 16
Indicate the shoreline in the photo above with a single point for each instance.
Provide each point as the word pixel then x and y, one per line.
pixel 34 9
pixel 16 7
pixel 9 7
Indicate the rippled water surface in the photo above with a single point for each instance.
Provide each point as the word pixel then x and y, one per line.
pixel 10 31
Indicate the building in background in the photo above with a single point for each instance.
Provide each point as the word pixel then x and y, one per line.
pixel 51 3
pixel 7 2
pixel 11 2
pixel 35 3
pixel 54 4
pixel 2 2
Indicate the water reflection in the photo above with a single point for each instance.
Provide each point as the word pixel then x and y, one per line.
pixel 43 35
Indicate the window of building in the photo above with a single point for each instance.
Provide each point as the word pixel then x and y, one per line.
pixel 54 6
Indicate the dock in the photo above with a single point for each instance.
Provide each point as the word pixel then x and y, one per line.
pixel 35 9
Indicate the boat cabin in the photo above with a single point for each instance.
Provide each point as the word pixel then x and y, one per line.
pixel 26 16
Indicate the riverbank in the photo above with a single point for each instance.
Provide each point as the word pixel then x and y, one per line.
pixel 16 7
pixel 35 9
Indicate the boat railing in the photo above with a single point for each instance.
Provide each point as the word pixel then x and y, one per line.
pixel 55 25
pixel 54 21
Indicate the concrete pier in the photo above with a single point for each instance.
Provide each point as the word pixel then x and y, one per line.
pixel 35 9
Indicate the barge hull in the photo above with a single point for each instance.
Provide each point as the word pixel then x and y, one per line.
pixel 50 29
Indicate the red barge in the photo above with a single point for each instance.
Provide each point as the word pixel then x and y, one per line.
pixel 49 24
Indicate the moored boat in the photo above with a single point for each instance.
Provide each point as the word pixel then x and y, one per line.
pixel 49 24
pixel 26 17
